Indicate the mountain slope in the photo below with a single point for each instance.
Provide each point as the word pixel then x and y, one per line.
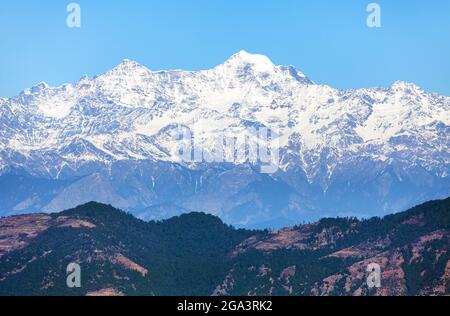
pixel 196 254
pixel 331 257
pixel 338 149
pixel 115 250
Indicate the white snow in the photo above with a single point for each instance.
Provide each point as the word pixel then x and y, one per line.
pixel 116 108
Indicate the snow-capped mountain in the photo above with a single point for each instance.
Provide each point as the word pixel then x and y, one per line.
pixel 110 139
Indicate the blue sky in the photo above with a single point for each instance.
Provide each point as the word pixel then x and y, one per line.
pixel 327 39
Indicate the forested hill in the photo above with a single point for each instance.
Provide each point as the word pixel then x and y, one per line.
pixel 197 254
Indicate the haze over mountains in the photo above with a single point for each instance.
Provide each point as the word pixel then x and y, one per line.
pixel 110 139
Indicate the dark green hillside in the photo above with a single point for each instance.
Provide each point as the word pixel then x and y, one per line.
pixel 184 255
pixel 425 265
pixel 197 254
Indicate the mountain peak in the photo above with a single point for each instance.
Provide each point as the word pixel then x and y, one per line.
pixel 41 85
pixel 262 64
pixel 36 89
pixel 403 85
pixel 93 210
pixel 129 65
pixel 243 58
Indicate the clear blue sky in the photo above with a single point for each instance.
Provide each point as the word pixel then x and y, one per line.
pixel 327 39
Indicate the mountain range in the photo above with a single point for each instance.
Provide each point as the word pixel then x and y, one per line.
pixel 112 139
pixel 197 254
